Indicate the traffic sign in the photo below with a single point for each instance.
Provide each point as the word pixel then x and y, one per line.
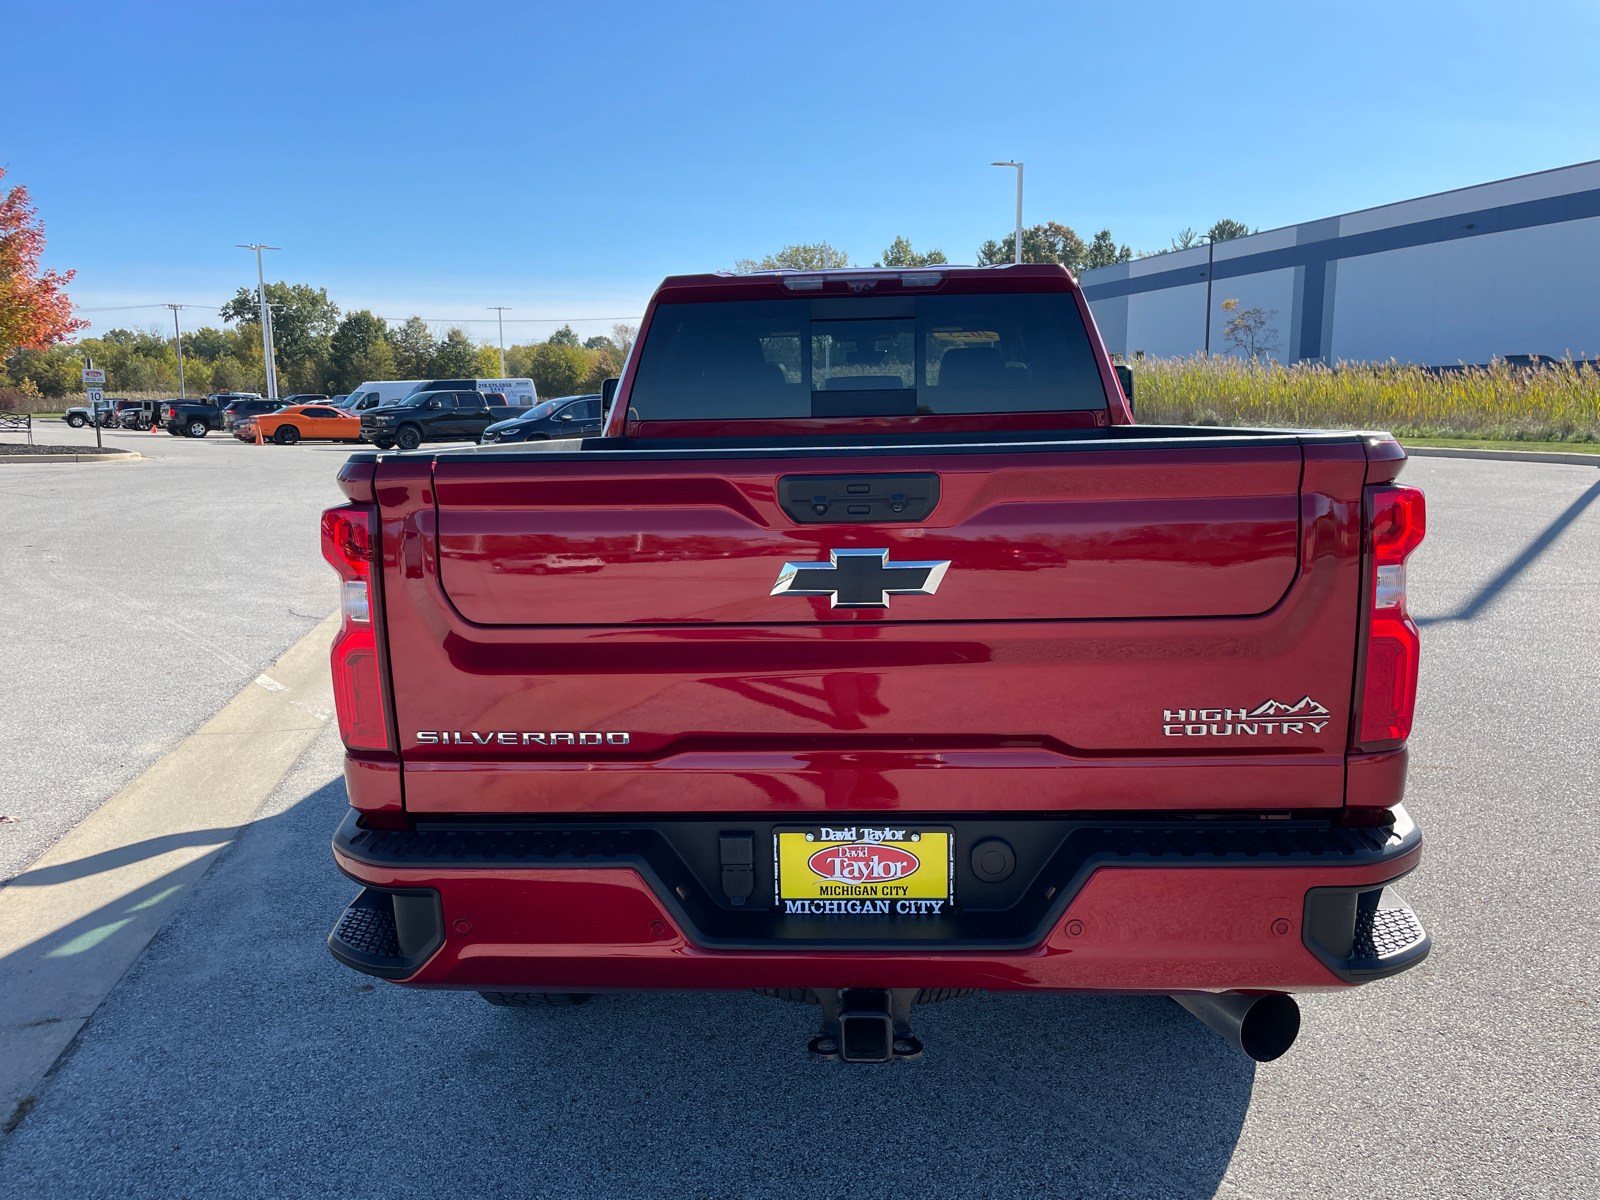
pixel 96 396
pixel 94 375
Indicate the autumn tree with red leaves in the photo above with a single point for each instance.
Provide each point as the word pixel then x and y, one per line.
pixel 34 309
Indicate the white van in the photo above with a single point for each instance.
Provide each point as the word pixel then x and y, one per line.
pixel 378 391
pixel 519 393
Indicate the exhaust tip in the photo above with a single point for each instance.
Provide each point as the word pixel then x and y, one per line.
pixel 1263 1027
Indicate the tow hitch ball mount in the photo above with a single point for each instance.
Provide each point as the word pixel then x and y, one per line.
pixel 866 1025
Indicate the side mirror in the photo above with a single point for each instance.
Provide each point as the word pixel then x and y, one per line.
pixel 566 416
pixel 433 404
pixel 1125 378
pixel 608 392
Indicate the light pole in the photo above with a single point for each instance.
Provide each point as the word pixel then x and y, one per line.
pixel 177 336
pixel 500 311
pixel 1211 248
pixel 267 349
pixel 1018 166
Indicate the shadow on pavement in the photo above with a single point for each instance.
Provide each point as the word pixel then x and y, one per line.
pixel 237 1055
pixel 1487 594
pixel 109 860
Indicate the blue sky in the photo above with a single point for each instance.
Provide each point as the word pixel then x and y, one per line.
pixel 561 159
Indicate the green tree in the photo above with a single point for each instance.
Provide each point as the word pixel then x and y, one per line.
pixel 557 369
pixel 355 340
pixel 1051 242
pixel 563 337
pixel 303 319
pixel 1226 230
pixel 414 348
pixel 900 254
pixel 598 342
pixel 1104 251
pixel 807 256
pixel 457 357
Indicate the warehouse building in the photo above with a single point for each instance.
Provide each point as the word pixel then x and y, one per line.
pixel 1501 269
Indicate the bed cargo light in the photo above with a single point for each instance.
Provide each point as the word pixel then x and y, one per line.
pixel 357 692
pixel 1398 519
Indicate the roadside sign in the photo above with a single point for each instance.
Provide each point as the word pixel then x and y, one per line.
pixel 94 375
pixel 97 397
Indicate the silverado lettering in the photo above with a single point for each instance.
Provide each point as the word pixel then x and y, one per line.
pixel 989 581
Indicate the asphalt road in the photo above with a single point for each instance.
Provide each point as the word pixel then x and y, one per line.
pixel 137 599
pixel 238 1058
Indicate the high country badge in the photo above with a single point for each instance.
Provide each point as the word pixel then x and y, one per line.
pixel 1270 719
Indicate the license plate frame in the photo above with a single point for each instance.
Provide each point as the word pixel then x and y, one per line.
pixel 864 870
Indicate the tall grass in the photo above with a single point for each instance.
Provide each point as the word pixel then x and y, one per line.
pixel 1500 402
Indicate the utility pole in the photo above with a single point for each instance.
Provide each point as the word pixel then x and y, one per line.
pixel 500 311
pixel 267 349
pixel 177 336
pixel 1018 166
pixel 1211 247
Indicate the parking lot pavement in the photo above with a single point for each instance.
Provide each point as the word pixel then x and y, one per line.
pixel 238 1057
pixel 138 598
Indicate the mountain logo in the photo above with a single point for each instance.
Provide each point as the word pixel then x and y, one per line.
pixel 1305 707
pixel 1270 718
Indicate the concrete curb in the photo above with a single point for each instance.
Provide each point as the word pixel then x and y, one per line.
pixel 122 456
pixel 74 922
pixel 1540 456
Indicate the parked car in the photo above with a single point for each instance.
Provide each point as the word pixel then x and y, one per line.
pixel 236 410
pixel 138 414
pixel 443 416
pixel 338 401
pixel 567 416
pixel 108 413
pixel 303 398
pixel 865 662
pixel 306 423
pixel 190 418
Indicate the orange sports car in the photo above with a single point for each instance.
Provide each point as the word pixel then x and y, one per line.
pixel 308 422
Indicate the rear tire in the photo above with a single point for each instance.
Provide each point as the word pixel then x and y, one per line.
pixel 409 437
pixel 198 429
pixel 287 435
pixel 537 999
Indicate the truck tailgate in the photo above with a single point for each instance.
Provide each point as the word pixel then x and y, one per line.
pixel 1122 624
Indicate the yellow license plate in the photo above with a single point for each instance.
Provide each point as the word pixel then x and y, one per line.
pixel 864 870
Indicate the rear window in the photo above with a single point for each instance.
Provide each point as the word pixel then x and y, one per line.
pixel 866 357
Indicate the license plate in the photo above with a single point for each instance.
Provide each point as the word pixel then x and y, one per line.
pixel 864 870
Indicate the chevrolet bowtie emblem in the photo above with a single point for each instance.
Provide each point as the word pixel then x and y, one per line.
pixel 860 578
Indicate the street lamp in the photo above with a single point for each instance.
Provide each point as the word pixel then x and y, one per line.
pixel 177 336
pixel 500 311
pixel 1018 166
pixel 266 318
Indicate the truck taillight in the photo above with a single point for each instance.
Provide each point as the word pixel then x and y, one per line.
pixel 347 543
pixel 1397 518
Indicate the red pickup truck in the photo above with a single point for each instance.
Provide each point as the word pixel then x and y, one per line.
pixel 872 655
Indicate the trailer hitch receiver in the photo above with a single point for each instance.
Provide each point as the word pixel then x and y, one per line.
pixel 866 1025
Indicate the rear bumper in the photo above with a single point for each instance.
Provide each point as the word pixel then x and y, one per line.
pixel 1155 908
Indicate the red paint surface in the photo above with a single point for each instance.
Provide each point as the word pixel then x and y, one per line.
pixel 803 710
pixel 1146 929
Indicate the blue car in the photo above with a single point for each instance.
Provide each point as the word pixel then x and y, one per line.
pixel 563 417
